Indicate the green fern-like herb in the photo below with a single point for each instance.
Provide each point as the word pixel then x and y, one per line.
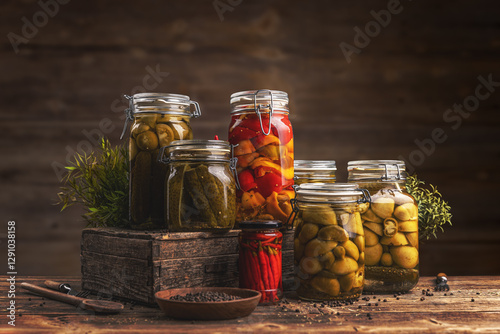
pixel 99 181
pixel 433 211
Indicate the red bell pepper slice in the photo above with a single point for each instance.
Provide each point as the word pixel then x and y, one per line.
pixel 247 181
pixel 240 133
pixel 268 183
pixel 282 128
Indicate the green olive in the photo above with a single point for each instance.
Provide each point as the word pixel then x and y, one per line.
pixel 165 134
pixel 139 128
pixel 147 141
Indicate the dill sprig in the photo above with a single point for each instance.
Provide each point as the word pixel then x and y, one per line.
pixel 433 211
pixel 99 181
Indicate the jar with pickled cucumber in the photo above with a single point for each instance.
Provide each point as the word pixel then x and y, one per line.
pixel 329 244
pixel 390 223
pixel 157 119
pixel 262 137
pixel 200 190
pixel 314 171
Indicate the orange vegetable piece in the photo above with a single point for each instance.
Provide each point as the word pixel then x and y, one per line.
pixel 287 173
pixel 273 207
pixel 244 147
pixel 263 140
pixel 251 200
pixel 246 159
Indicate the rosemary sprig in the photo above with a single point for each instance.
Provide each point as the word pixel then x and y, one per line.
pixel 99 181
pixel 433 211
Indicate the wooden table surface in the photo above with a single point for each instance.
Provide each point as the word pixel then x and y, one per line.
pixel 472 305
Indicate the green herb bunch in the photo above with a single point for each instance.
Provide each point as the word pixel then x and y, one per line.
pixel 99 181
pixel 433 211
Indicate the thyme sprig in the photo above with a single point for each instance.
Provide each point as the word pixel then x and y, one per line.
pixel 99 181
pixel 433 211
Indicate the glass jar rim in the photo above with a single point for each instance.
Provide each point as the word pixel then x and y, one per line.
pixel 253 100
pixel 163 103
pixel 384 170
pixel 315 164
pixel 329 189
pixel 196 150
pixel 260 224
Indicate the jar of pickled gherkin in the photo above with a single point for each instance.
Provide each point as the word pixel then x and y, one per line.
pixel 314 171
pixel 158 119
pixel 329 244
pixel 390 224
pixel 262 137
pixel 200 190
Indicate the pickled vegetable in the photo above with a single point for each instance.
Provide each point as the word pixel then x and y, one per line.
pixel 329 251
pixel 265 165
pixel 200 197
pixel 391 232
pixel 149 132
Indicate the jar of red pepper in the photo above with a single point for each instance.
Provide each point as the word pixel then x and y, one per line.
pixel 262 137
pixel 260 259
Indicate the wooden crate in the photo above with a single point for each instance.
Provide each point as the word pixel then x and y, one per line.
pixel 134 265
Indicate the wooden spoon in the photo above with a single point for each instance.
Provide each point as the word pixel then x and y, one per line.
pixel 100 306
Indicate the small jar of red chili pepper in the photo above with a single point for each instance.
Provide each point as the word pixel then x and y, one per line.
pixel 260 259
pixel 262 137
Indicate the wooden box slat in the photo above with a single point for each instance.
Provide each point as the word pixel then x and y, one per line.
pixel 135 265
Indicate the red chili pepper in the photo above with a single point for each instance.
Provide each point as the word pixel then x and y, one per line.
pixel 273 271
pixel 264 266
pixel 274 265
pixel 257 273
pixel 216 137
pixel 252 284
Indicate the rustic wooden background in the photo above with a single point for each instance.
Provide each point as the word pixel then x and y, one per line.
pixel 71 73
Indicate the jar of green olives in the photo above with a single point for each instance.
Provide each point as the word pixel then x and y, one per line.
pixel 200 190
pixel 390 224
pixel 314 171
pixel 158 119
pixel 329 244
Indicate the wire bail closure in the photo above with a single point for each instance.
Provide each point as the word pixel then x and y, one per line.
pixel 233 163
pixel 385 177
pixel 257 110
pixel 128 114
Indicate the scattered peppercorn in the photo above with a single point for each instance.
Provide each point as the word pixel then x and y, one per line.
pixel 422 298
pixel 472 300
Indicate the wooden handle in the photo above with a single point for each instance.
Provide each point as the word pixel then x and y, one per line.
pixel 53 285
pixel 62 297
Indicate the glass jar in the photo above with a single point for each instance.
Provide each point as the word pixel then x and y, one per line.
pixel 390 224
pixel 262 137
pixel 260 259
pixel 329 244
pixel 158 119
pixel 200 190
pixel 314 171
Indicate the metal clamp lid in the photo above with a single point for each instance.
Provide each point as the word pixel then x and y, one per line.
pixel 385 177
pixel 130 111
pixel 257 110
pixel 295 202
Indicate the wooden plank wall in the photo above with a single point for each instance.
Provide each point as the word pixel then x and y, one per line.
pixel 71 73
